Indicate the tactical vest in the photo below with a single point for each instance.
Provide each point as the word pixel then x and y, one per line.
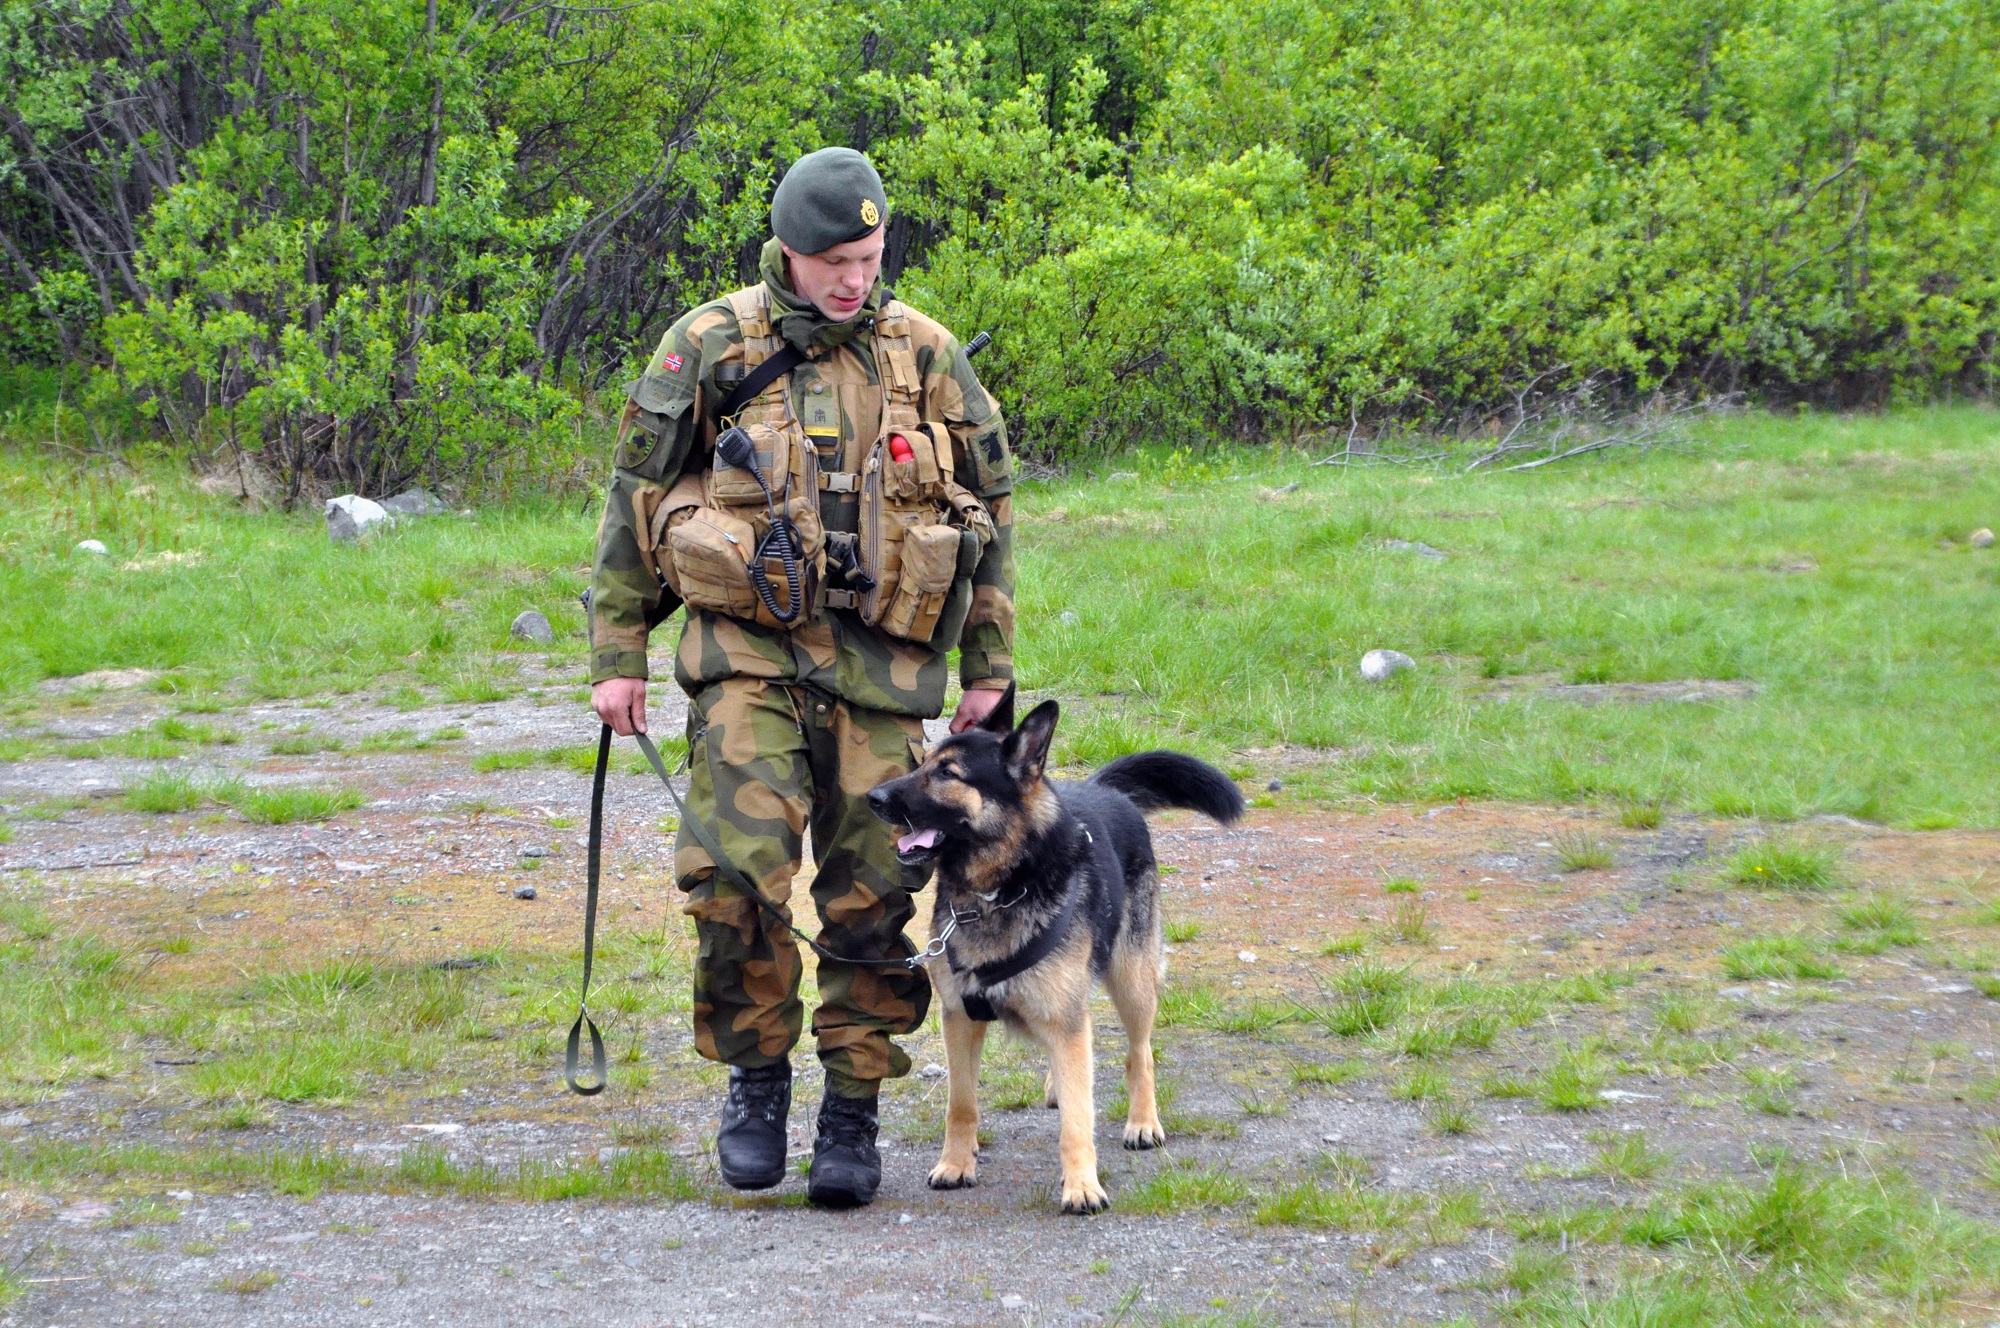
pixel 919 536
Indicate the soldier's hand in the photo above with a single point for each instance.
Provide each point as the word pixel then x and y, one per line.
pixel 621 703
pixel 973 708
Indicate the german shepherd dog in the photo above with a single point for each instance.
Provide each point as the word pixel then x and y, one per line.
pixel 1043 888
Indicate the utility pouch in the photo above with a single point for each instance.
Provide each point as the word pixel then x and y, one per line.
pixel 920 477
pixel 711 553
pixel 929 565
pixel 731 486
pixel 657 512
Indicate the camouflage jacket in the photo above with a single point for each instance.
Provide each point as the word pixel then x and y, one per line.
pixel 672 431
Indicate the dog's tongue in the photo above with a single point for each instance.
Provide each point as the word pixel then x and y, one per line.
pixel 918 839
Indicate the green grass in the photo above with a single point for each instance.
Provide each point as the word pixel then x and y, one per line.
pixel 1222 622
pixel 164 792
pixel 1577 851
pixel 1573 1081
pixel 1180 933
pixel 1791 1247
pixel 1183 1185
pixel 284 805
pixel 1776 957
pixel 1785 863
pixel 305 744
pixel 1881 922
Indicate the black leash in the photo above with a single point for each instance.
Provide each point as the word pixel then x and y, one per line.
pixel 583 1019
pixel 730 872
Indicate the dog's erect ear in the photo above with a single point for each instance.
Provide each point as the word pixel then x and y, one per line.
pixel 1001 718
pixel 1027 747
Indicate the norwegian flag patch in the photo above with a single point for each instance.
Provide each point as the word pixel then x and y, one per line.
pixel 671 363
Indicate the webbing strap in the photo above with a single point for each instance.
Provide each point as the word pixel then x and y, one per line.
pixel 583 1019
pixel 767 372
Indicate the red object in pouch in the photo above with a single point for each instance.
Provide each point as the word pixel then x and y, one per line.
pixel 899 448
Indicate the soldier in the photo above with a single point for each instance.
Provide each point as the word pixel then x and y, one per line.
pixel 814 470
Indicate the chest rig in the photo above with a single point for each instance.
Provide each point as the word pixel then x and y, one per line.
pixel 906 567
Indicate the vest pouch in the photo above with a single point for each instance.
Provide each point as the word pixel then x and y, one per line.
pixel 929 566
pixel 711 553
pixel 810 566
pixel 729 486
pixel 657 511
pixel 918 478
pixel 958 604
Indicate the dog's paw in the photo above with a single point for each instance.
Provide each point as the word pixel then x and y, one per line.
pixel 1144 1136
pixel 1084 1197
pixel 952 1176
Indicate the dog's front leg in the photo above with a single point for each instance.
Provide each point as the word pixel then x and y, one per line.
pixel 1069 1059
pixel 958 1165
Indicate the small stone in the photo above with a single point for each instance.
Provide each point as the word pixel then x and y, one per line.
pixel 1982 538
pixel 532 626
pixel 1013 1302
pixel 14 1120
pixel 1247 956
pixel 97 547
pixel 1068 618
pixel 904 1219
pixel 351 516
pixel 932 1071
pixel 1418 547
pixel 1123 475
pixel 1381 665
pixel 534 851
pixel 524 892
pixel 415 502
pixel 1275 786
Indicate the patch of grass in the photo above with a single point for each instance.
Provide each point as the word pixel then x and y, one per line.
pixel 305 744
pixel 1577 851
pixel 285 805
pixel 1883 921
pixel 1776 957
pixel 487 762
pixel 1684 1013
pixel 477 689
pixel 1400 885
pixel 1341 1196
pixel 1627 1156
pixel 1783 863
pixel 1342 947
pixel 1179 1186
pixel 248 1283
pixel 1573 1082
pixel 1451 1118
pixel 1506 1086
pixel 1181 933
pixel 1421 1083
pixel 1409 924
pixel 1769 1090
pixel 1016 1090
pixel 1185 1004
pixel 1641 815
pixel 180 730
pixel 163 793
pixel 1318 1074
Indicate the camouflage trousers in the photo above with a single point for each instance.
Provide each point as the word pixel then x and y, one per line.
pixel 771 760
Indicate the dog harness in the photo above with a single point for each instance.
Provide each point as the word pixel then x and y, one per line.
pixel 977 1006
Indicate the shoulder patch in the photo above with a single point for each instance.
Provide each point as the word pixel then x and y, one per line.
pixel 671 363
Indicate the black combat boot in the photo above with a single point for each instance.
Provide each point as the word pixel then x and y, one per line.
pixel 846 1168
pixel 751 1144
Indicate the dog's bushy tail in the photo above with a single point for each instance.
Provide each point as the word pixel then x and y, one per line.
pixel 1153 780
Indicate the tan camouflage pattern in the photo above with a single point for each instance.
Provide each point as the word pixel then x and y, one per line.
pixel 773 760
pixel 668 431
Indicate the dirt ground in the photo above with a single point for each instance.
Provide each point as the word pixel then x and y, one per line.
pixel 1893 1060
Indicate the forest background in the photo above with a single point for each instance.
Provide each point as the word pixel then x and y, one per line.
pixel 370 243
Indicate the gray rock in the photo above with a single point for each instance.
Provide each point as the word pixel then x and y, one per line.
pixel 351 516
pixel 524 892
pixel 532 626
pixel 1275 786
pixel 1418 547
pixel 416 502
pixel 534 851
pixel 1982 538
pixel 93 546
pixel 1381 665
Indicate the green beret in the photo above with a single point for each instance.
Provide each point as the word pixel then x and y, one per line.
pixel 828 197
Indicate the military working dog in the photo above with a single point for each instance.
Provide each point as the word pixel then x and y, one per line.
pixel 1043 889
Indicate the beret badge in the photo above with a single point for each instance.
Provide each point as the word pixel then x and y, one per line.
pixel 869 215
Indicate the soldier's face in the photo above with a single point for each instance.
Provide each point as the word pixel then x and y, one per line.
pixel 838 280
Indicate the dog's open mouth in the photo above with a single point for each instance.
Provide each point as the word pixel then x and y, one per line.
pixel 918 847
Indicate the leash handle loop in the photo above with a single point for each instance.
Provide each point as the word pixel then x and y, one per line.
pixel 591 871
